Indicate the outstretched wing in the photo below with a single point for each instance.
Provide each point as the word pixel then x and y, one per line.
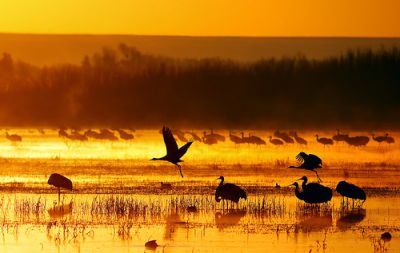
pixel 315 159
pixel 301 157
pixel 182 150
pixel 169 141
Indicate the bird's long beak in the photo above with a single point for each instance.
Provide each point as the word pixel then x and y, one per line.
pixel 299 179
pixel 290 185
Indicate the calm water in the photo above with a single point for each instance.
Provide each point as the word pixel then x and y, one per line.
pixel 117 203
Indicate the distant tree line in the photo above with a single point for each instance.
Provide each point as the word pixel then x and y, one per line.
pixel 124 87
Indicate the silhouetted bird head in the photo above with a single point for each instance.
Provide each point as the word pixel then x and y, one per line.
pixel 221 178
pixel 304 178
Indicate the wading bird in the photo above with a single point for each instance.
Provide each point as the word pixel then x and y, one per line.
pixel 124 134
pixel 379 139
pixel 173 153
pixel 234 138
pixel 389 139
pixel 209 139
pixel 180 135
pixel 324 141
pixel 229 191
pixel 60 181
pixel 219 137
pixel 284 136
pixel 313 193
pixel 13 137
pixel 194 136
pixel 275 141
pixel 339 137
pixel 298 139
pixel 351 191
pixel 309 162
pixel 255 140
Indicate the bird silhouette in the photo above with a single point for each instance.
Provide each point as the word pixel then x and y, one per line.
pixel 339 137
pixel 386 237
pixel 275 141
pixel 252 139
pixel 324 141
pixel 13 137
pixel 379 139
pixel 194 136
pixel 92 134
pixel 76 136
pixel 62 132
pixel 229 191
pixel 166 185
pixel 284 136
pixel 209 139
pixel 60 181
pixel 312 193
pixel 106 134
pixel 151 245
pixel 389 139
pixel 234 138
pixel 357 141
pixel 298 139
pixel 124 134
pixel 219 137
pixel 173 153
pixel 309 162
pixel 180 135
pixel 351 191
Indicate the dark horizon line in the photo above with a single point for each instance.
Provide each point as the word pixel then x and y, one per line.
pixel 199 36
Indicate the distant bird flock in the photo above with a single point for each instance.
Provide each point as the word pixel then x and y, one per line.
pixel 210 137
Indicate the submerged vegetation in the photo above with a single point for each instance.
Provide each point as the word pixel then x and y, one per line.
pixel 127 87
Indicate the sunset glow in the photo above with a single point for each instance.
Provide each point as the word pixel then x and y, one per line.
pixel 205 17
pixel 202 126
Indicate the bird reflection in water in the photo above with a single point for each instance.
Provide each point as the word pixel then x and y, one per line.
pixel 58 211
pixel 229 218
pixel 349 219
pixel 315 222
pixel 172 222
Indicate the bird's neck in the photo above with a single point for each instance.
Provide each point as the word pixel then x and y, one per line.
pixel 304 183
pixel 222 182
pixel 297 192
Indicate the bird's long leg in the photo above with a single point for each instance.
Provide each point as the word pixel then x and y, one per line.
pixel 58 195
pixel 180 171
pixel 319 179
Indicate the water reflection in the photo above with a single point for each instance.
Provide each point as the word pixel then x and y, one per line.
pixel 172 222
pixel 229 218
pixel 59 211
pixel 314 222
pixel 350 218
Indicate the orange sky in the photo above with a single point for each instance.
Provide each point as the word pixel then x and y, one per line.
pixel 371 18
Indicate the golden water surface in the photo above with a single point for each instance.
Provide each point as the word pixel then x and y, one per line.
pixel 118 204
